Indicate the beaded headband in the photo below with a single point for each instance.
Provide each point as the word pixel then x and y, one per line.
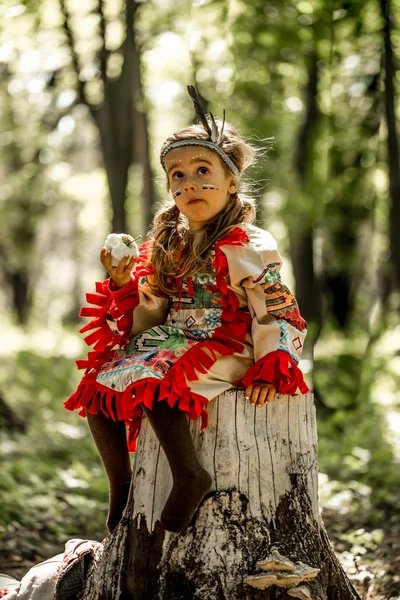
pixel 215 136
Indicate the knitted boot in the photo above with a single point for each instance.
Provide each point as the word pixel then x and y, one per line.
pixel 110 439
pixel 190 481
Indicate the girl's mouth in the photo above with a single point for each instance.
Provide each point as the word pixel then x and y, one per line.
pixel 195 200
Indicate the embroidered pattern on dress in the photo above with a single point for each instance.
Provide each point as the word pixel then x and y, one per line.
pixel 297 343
pixel 281 303
pixel 160 336
pixel 195 323
pixel 212 317
pixel 270 274
pixel 206 292
pixel 190 321
pixel 131 364
pixel 291 340
pixel 199 292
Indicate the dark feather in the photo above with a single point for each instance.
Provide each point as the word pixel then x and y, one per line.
pixel 221 132
pixel 214 133
pixel 198 107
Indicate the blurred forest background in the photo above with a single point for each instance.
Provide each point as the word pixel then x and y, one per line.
pixel 89 90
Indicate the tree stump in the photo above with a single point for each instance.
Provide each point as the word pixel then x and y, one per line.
pixel 257 534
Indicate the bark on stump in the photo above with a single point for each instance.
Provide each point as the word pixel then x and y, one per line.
pixel 258 533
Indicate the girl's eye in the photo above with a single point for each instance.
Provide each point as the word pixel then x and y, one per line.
pixel 178 174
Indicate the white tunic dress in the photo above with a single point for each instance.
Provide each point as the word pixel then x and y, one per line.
pixel 234 326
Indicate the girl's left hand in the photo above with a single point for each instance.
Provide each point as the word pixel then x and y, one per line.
pixel 260 393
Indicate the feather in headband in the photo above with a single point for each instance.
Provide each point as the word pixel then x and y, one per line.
pixel 215 136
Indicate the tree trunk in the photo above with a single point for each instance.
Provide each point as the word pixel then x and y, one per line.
pixel 263 508
pixel 301 233
pixel 114 119
pixel 301 239
pixel 115 115
pixel 9 420
pixel 392 143
pixel 21 298
pixel 141 146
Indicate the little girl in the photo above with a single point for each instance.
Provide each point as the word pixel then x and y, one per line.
pixel 202 309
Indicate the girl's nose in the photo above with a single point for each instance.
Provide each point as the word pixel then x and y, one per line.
pixel 189 187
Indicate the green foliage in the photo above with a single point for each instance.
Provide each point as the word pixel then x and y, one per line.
pixel 353 442
pixel 352 446
pixel 344 370
pixel 52 479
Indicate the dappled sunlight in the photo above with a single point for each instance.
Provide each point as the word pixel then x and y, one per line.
pixel 393 434
pixel 40 340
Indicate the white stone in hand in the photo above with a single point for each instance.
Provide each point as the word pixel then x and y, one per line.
pixel 120 244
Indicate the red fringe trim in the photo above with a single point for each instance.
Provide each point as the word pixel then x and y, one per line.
pixel 236 237
pixel 234 322
pixel 119 304
pixel 279 369
pixel 93 397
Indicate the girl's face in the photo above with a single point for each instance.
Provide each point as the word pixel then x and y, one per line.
pixel 198 183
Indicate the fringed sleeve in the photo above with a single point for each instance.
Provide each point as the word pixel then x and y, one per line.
pixel 111 310
pixel 278 330
pixel 120 313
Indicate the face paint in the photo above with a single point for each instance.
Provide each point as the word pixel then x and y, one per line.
pixel 198 183
pixel 205 187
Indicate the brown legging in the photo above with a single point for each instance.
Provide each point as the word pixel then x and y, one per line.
pixel 190 481
pixel 110 439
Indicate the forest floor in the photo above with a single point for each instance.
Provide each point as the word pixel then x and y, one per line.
pixel 374 568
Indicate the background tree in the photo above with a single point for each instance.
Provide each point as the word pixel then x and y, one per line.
pixel 392 141
pixel 116 106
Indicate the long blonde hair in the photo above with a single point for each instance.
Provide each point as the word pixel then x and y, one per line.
pixel 176 249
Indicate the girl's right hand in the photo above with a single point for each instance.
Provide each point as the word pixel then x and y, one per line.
pixel 120 275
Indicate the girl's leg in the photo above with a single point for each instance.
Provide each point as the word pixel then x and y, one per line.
pixel 110 439
pixel 190 481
